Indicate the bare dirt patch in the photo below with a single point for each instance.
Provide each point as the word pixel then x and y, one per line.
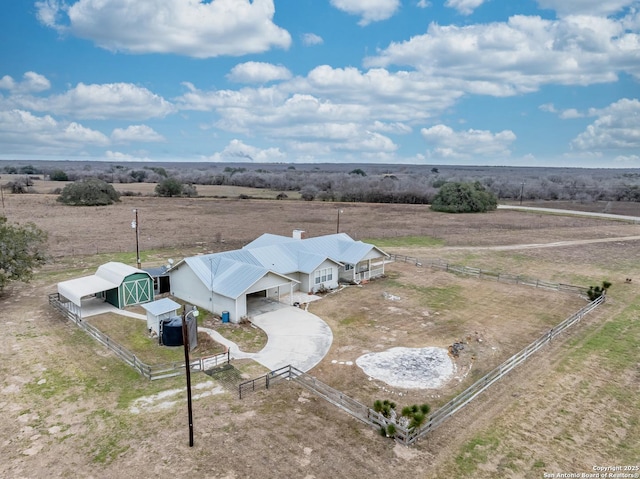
pixel 419 307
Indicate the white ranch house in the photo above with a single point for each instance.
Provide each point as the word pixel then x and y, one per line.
pixel 273 267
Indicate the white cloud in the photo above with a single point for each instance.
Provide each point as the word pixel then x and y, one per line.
pixel 184 27
pixel 395 127
pixel 548 107
pixel 369 10
pixel 589 7
pixel 616 128
pixel 423 3
pixel 570 114
pixel 258 72
pixel 23 132
pixel 136 133
pixel 32 82
pixel 519 56
pixel 106 101
pixel 331 110
pixel 326 94
pixel 470 144
pixel 627 159
pixel 465 7
pixel 567 114
pixel 49 12
pixel 119 156
pixel 236 150
pixel 309 39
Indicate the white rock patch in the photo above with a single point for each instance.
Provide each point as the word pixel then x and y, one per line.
pixel 409 368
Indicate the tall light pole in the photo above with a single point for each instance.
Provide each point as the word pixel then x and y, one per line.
pixel 187 365
pixel 338 225
pixel 134 225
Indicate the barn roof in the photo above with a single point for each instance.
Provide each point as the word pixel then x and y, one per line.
pixel 117 272
pixel 108 276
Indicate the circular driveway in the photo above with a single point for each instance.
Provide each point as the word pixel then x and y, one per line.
pixel 295 337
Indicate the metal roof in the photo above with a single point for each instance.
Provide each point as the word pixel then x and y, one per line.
pixel 117 272
pixel 340 247
pixel 76 289
pixel 231 273
pixel 108 276
pixel 161 306
pixel 227 273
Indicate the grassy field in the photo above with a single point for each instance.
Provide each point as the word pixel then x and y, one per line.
pixel 72 409
pixel 148 189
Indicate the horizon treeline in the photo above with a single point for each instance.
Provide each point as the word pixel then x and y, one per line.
pixel 373 183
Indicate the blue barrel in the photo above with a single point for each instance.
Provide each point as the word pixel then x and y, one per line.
pixel 225 316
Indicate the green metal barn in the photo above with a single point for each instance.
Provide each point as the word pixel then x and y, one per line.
pixel 117 283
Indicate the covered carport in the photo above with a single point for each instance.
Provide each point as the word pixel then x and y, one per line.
pixel 115 283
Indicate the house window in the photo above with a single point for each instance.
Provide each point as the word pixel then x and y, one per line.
pixel 348 267
pixel 323 275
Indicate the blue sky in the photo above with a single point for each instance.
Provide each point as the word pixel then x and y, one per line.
pixel 446 82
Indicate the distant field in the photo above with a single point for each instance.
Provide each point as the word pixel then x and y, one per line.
pixel 148 189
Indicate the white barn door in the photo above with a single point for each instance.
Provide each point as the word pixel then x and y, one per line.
pixel 136 292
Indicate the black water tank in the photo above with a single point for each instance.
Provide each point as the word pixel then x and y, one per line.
pixel 172 331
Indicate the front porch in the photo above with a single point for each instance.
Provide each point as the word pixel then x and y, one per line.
pixel 363 271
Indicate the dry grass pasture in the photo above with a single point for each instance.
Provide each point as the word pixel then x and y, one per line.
pixel 67 404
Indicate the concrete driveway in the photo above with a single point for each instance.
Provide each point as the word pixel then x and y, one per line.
pixel 295 337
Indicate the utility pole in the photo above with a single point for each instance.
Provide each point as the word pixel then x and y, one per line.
pixel 521 193
pixel 187 365
pixel 134 224
pixel 338 225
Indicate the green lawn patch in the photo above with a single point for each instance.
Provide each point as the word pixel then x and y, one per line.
pixel 248 338
pixel 617 341
pixel 475 452
pixel 132 334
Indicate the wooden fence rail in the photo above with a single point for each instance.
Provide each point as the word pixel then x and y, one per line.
pixel 263 382
pixel 402 434
pixel 149 371
pixel 490 275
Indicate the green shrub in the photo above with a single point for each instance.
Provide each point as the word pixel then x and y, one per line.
pixel 417 420
pixel 169 187
pixel 89 192
pixel 391 430
pixel 594 292
pixel 58 175
pixel 457 197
